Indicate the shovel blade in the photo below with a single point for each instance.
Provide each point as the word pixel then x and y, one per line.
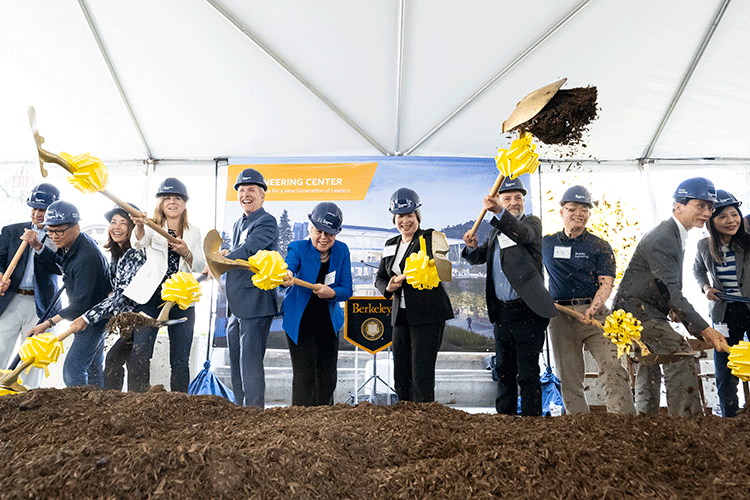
pixel 440 250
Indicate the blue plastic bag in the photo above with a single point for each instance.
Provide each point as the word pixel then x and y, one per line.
pixel 206 383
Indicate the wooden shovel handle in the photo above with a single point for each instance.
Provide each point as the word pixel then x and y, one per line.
pixel 14 262
pixel 300 282
pixel 493 192
pixel 576 314
pixel 132 211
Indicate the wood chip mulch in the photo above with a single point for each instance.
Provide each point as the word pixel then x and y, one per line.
pixel 81 443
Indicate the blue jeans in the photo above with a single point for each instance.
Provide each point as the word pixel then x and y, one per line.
pixel 519 338
pixel 247 338
pixel 84 363
pixel 180 341
pixel 738 324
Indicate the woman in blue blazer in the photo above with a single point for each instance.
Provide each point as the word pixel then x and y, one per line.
pixel 312 318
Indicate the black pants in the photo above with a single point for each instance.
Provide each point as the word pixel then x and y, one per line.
pixel 519 338
pixel 314 359
pixel 415 349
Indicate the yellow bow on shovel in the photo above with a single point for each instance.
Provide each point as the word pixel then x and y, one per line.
pixel 38 351
pixel 739 360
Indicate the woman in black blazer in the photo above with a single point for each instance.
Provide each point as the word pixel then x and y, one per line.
pixel 418 316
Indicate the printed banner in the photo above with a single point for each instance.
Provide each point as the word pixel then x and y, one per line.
pixel 310 182
pixel 368 323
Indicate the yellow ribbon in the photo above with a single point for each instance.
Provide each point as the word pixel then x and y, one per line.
pixel 622 329
pixel 420 270
pixel 269 267
pixel 739 360
pixel 44 349
pixel 519 159
pixel 89 175
pixel 182 289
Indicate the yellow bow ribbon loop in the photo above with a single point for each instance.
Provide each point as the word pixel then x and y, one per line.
pixel 270 269
pixel 519 159
pixel 182 289
pixel 89 173
pixel 622 329
pixel 420 269
pixel 43 349
pixel 739 360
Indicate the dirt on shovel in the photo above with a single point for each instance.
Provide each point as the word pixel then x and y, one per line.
pixel 565 118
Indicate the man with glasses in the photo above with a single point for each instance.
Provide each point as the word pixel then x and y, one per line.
pixel 86 276
pixel 29 290
pixel 581 269
pixel 651 290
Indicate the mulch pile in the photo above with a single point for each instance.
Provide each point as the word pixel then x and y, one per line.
pixel 565 117
pixel 83 443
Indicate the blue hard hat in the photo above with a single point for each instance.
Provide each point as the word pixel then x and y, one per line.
pixel 171 187
pixel 327 217
pixel 512 185
pixel 725 199
pixel 118 210
pixel 42 196
pixel 577 194
pixel 696 188
pixel 404 201
pixel 250 176
pixel 61 212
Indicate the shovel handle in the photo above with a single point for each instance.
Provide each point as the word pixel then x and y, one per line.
pixel 305 284
pixel 132 211
pixel 576 314
pixel 14 262
pixel 493 192
pixel 12 377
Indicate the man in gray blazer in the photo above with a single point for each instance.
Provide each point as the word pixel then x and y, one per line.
pixel 651 290
pixel 251 309
pixel 518 304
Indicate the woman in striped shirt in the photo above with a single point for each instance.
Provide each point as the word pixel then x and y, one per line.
pixel 725 256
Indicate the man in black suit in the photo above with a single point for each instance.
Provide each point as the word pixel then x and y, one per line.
pixel 518 304
pixel 27 293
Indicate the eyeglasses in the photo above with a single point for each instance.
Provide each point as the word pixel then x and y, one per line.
pixel 58 232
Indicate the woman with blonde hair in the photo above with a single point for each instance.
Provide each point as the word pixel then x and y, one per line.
pixel 162 260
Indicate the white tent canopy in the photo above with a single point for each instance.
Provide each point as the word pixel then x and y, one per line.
pixel 193 80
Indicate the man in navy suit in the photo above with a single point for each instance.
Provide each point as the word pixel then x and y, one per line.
pixel 251 308
pixel 27 293
pixel 518 304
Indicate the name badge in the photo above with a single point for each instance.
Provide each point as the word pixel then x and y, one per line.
pixel 561 252
pixel 330 278
pixel 389 250
pixel 504 241
pixel 158 242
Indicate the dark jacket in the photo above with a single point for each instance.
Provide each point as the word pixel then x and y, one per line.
pixel 423 307
pixel 522 263
pixel 45 283
pixel 244 298
pixel 85 273
pixel 652 283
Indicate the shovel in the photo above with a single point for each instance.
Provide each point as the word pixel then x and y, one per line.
pixel 46 156
pixel 218 264
pixel 10 381
pixel 528 107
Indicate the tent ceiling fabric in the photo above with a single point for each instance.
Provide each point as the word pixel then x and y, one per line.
pixel 200 88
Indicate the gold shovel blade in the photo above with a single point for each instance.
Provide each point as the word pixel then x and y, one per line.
pixel 528 107
pixel 38 139
pixel 217 263
pixel 440 250
pixel 10 384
